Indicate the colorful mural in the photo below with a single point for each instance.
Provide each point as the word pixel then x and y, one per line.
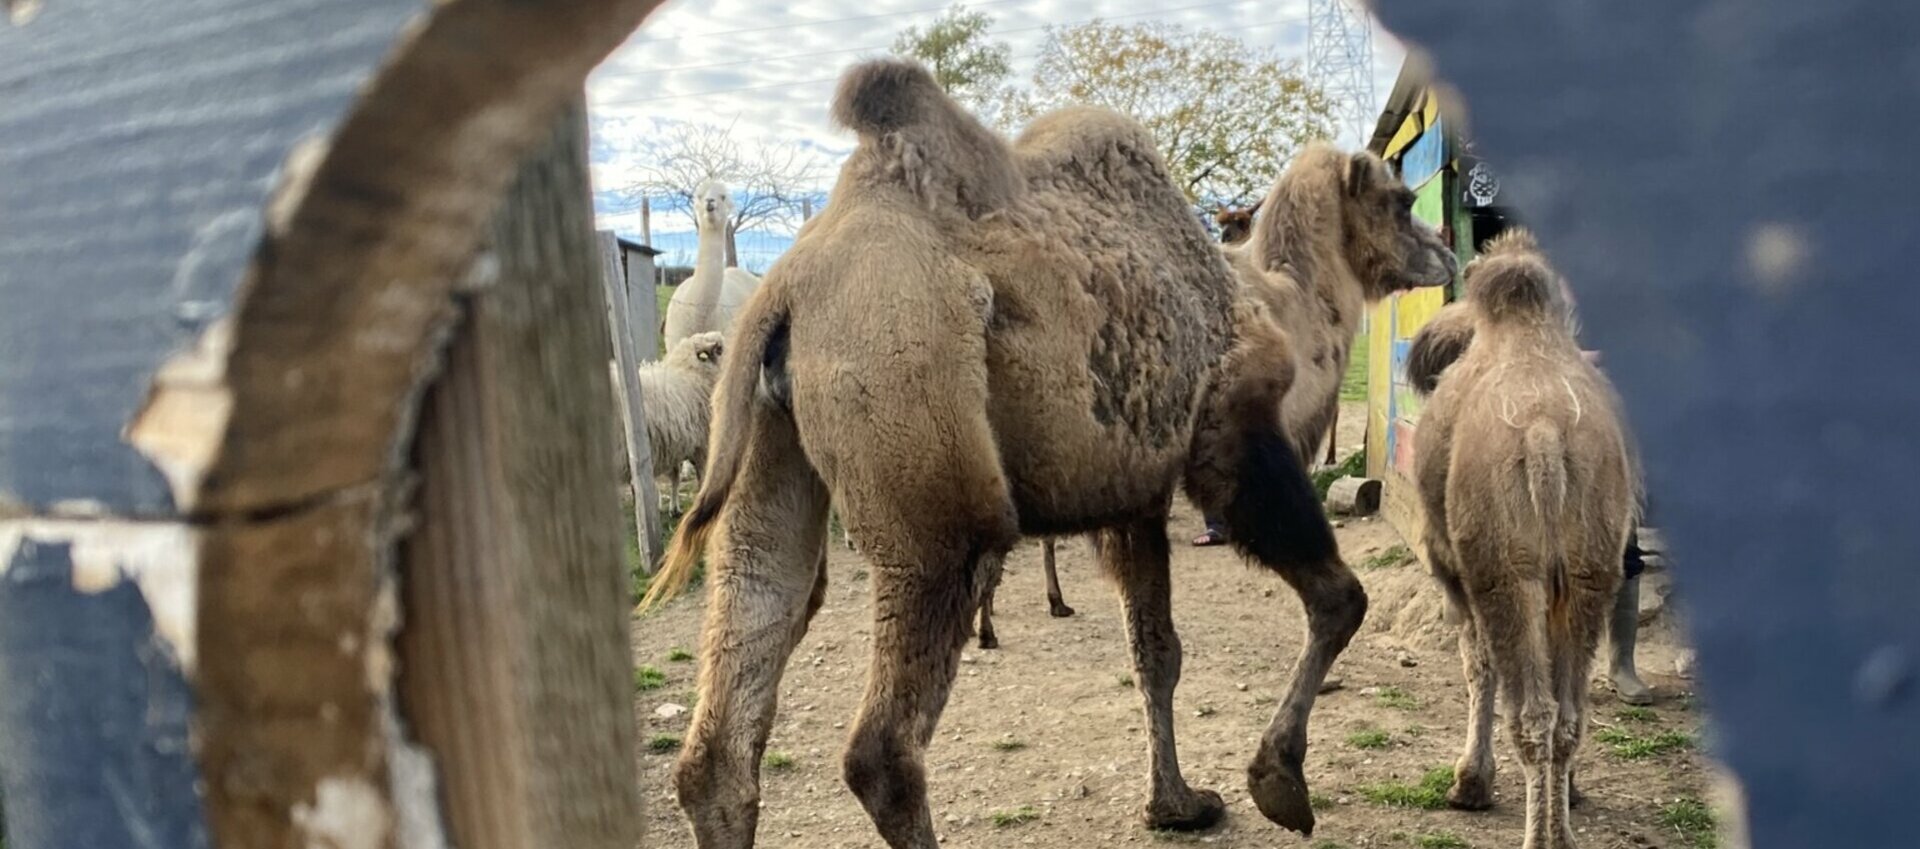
pixel 1393 408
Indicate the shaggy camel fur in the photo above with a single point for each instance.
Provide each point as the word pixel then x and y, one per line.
pixel 1303 266
pixel 708 300
pixel 975 342
pixel 1523 467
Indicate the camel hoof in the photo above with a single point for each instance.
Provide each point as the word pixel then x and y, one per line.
pixel 1200 809
pixel 1470 793
pixel 1059 611
pixel 1280 790
pixel 989 641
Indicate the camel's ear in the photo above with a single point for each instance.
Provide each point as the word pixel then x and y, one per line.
pixel 1359 170
pixel 1255 208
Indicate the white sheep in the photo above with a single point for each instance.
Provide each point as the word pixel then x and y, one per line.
pixel 675 394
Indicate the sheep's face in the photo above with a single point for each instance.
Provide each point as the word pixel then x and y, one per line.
pixel 712 206
pixel 699 352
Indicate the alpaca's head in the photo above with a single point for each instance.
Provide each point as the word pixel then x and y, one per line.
pixel 712 206
pixel 1236 224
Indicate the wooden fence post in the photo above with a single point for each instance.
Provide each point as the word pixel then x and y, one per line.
pixel 228 280
pixel 632 407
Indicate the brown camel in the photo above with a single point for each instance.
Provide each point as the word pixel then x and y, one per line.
pixel 1524 470
pixel 977 341
pixel 1235 227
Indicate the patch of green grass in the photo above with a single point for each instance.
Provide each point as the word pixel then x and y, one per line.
pixel 1354 466
pixel 1397 698
pixel 1629 746
pixel 663 743
pixel 1693 821
pixel 1430 794
pixel 663 295
pixel 1008 744
pixel 1441 840
pixel 1017 816
pixel 1372 738
pixel 1353 384
pixel 648 678
pixel 1637 714
pixel 1328 844
pixel 777 761
pixel 678 655
pixel 1398 555
pixel 1319 802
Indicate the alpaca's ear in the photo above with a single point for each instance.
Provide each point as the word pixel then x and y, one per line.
pixel 1359 170
pixel 1255 208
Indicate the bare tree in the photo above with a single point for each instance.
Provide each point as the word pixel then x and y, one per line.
pixel 768 182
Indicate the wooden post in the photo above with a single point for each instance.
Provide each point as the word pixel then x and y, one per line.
pixel 626 387
pixel 208 469
pixel 806 209
pixel 646 220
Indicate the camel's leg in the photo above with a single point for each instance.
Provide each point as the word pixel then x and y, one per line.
pixel 987 638
pixel 921 608
pixel 1473 774
pixel 1572 658
pixel 1513 617
pixel 1333 437
pixel 1056 603
pixel 768 572
pixel 1136 557
pixel 1336 604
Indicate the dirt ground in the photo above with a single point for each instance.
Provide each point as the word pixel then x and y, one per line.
pixel 1049 727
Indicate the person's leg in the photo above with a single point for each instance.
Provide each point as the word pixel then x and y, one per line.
pixel 1624 626
pixel 1216 532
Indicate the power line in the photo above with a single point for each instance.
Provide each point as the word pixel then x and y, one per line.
pixel 641 72
pixel 820 80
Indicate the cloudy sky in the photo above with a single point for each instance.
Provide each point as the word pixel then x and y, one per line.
pixel 767 67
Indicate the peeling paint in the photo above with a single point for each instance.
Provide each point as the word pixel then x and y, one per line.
pixel 347 813
pixel 415 788
pixel 161 559
pixel 184 419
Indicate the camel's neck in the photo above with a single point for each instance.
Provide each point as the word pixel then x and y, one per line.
pixel 1330 293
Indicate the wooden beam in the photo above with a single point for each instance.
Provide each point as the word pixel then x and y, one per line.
pixel 632 408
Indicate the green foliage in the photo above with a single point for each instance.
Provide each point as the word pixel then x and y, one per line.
pixel 1441 840
pixel 1693 821
pixel 1430 794
pixel 1353 385
pixel 778 761
pixel 965 62
pixel 1372 738
pixel 1016 816
pixel 678 655
pixel 1226 115
pixel 648 678
pixel 1637 714
pixel 662 743
pixel 1629 746
pixel 1398 555
pixel 1354 466
pixel 1397 698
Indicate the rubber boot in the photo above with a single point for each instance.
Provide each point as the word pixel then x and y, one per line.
pixel 1622 633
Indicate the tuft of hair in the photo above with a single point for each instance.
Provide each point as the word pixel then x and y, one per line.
pixel 1512 283
pixel 884 96
pixel 1513 240
pixel 1439 342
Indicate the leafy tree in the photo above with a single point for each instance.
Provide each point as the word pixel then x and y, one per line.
pixel 966 63
pixel 768 182
pixel 1226 116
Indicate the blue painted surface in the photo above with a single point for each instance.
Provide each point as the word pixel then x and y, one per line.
pixel 93 716
pixel 1654 145
pixel 1426 156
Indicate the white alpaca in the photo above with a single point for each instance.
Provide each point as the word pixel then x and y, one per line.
pixel 708 300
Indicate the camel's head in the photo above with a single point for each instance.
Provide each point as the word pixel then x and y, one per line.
pixel 1236 224
pixel 712 206
pixel 699 353
pixel 1388 248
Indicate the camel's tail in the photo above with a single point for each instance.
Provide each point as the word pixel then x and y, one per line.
pixel 759 327
pixel 1545 462
pixel 930 145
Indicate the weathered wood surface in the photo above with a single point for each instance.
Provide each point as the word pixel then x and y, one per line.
pixel 515 665
pixel 628 397
pixel 233 231
pixel 1730 187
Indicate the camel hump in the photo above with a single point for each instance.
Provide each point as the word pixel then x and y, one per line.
pixel 925 141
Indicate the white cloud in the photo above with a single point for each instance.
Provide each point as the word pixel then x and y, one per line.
pixel 767 67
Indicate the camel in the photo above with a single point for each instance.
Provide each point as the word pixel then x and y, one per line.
pixel 707 301
pixel 978 341
pixel 1341 302
pixel 1523 467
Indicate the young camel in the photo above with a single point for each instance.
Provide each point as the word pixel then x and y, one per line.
pixel 1303 266
pixel 1523 467
pixel 977 341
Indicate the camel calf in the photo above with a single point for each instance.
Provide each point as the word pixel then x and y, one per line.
pixel 1523 467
